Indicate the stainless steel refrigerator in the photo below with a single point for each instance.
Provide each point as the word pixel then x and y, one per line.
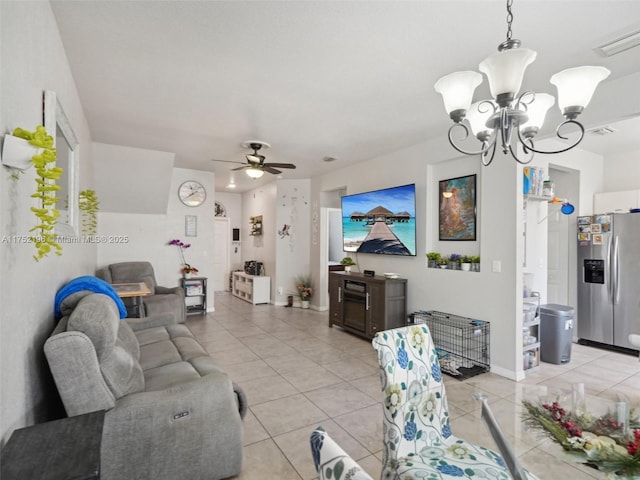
pixel 609 278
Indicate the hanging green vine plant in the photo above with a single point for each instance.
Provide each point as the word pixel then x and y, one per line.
pixel 88 205
pixel 45 238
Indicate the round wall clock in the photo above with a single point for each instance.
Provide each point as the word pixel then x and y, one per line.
pixel 192 193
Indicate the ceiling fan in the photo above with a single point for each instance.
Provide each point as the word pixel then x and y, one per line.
pixel 256 166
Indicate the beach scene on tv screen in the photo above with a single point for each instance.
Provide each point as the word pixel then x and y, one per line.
pixel 382 221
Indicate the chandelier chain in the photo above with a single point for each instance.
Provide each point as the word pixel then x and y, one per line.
pixel 509 19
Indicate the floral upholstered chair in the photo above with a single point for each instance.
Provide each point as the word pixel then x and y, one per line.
pixel 331 461
pixel 418 442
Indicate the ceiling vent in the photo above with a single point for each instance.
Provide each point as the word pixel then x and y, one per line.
pixel 602 131
pixel 620 44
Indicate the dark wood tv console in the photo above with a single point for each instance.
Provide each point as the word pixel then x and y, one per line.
pixel 366 305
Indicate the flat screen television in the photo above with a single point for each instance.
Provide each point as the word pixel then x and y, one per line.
pixel 381 221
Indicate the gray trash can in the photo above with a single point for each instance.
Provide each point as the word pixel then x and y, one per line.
pixel 556 333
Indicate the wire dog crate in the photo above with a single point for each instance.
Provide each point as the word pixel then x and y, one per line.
pixel 462 343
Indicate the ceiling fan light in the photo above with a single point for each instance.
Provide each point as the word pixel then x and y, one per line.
pixel 537 110
pixel 457 91
pixel 254 172
pixel 577 85
pixel 505 71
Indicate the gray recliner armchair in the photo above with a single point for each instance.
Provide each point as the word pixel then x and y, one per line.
pixel 162 299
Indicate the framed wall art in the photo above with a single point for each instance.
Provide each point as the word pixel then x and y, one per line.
pixel 457 208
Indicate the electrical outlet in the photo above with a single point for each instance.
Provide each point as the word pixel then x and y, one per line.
pixel 280 290
pixel 496 266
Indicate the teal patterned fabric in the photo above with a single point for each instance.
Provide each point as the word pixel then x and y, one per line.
pixel 418 442
pixel 331 461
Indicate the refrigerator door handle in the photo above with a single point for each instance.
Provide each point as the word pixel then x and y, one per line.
pixel 608 269
pixel 615 273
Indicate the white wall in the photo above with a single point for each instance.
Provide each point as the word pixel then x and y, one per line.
pixel 233 205
pixel 147 235
pixel 262 248
pixel 33 60
pixel 622 172
pixel 132 180
pixel 292 250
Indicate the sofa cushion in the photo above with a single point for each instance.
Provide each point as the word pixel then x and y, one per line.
pixel 156 354
pixel 170 375
pixel 159 334
pixel 97 317
pixel 129 340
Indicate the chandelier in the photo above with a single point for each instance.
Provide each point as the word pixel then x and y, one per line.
pixel 511 117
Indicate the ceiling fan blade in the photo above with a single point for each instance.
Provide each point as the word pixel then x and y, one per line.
pixel 280 165
pixel 269 169
pixel 225 161
pixel 241 168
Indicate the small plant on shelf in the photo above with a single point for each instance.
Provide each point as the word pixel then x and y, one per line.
pixel 347 263
pixel 443 261
pixel 433 258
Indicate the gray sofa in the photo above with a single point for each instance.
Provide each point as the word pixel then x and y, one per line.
pixel 171 411
pixel 161 300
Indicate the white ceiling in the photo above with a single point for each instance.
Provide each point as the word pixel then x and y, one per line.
pixel 315 79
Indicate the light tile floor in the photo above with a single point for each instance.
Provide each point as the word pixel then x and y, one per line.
pixel 298 373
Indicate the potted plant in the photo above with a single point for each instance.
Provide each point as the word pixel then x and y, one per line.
pixel 443 261
pixel 186 270
pixel 347 262
pixel 475 263
pixel 454 261
pixel 465 263
pixel 433 258
pixel 304 287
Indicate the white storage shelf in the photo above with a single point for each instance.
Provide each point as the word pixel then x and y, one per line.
pixel 531 333
pixel 251 288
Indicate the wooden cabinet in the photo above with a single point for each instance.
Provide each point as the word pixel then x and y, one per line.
pixel 251 288
pixel 195 294
pixel 623 201
pixel 366 305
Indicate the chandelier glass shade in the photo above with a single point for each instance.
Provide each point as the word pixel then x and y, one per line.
pixel 512 117
pixel 254 172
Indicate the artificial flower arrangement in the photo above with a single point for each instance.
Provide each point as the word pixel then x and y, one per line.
pixel 304 286
pixel 186 268
pixel 604 442
pixel 45 238
pixel 88 204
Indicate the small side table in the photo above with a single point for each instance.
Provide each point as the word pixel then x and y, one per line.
pixel 65 449
pixel 135 291
pixel 195 294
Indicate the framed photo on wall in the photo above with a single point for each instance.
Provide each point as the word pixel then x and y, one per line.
pixel 457 208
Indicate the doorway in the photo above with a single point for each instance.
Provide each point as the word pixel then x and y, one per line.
pixel 561 244
pixel 221 254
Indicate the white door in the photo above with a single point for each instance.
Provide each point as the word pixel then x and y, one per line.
pixel 558 258
pixel 221 253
